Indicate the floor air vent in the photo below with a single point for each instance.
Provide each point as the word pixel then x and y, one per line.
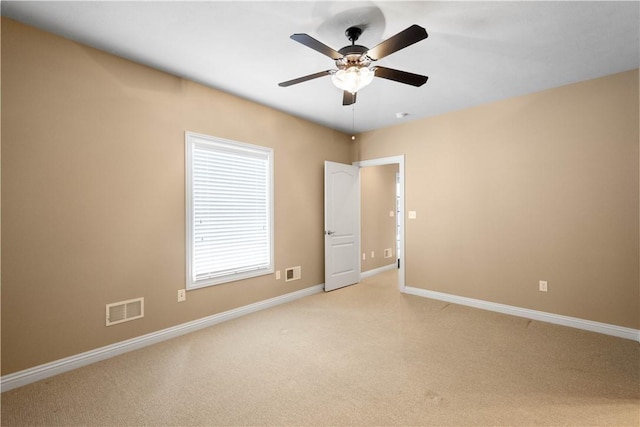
pixel 124 311
pixel 292 273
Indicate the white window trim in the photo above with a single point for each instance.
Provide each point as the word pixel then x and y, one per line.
pixel 192 138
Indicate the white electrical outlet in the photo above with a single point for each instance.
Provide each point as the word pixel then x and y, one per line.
pixel 413 215
pixel 391 213
pixel 277 274
pixel 542 285
pixel 182 295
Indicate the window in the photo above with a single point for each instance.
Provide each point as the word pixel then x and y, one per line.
pixel 229 198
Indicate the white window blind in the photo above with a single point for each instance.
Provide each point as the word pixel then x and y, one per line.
pixel 229 211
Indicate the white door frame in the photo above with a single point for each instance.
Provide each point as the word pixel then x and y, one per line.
pixel 399 160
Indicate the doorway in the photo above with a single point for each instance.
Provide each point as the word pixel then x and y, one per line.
pixel 400 236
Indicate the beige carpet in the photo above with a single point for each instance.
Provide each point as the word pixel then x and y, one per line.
pixel 363 355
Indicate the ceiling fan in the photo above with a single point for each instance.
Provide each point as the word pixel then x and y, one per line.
pixel 354 62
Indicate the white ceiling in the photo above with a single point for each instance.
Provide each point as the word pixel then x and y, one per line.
pixel 477 51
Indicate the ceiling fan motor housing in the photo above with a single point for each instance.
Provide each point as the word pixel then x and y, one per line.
pixel 353 56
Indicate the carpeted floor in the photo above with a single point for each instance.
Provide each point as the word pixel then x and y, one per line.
pixel 362 355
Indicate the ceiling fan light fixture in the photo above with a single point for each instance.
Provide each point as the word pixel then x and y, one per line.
pixel 352 79
pixel 354 70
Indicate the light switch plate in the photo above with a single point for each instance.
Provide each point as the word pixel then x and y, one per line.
pixel 412 215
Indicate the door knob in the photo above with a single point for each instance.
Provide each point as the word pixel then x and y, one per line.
pixel 329 232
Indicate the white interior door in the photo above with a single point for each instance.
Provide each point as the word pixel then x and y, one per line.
pixel 341 225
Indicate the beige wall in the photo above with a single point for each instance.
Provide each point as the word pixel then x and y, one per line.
pixel 378 229
pixel 539 187
pixel 543 186
pixel 93 195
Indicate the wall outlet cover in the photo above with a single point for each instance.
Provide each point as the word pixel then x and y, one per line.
pixel 543 286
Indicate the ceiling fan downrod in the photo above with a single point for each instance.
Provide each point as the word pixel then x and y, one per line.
pixel 353 34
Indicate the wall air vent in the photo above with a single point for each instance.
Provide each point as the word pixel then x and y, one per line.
pixel 124 311
pixel 292 273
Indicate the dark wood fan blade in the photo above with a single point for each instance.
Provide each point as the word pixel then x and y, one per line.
pixel 314 44
pixel 401 76
pixel 404 38
pixel 348 98
pixel 304 78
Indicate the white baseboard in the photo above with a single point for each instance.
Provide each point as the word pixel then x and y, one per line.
pixel 369 273
pixel 37 373
pixel 573 322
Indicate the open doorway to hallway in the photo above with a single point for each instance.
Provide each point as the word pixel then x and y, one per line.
pixel 398 197
pixel 378 213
